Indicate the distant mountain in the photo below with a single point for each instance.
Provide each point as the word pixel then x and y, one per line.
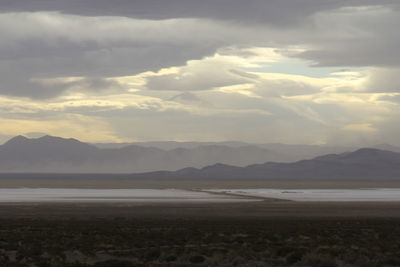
pixel 58 155
pixel 283 152
pixel 299 152
pixel 169 145
pixel 45 153
pixel 54 154
pixel 363 164
pixel 388 147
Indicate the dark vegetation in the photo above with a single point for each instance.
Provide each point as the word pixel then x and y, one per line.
pixel 128 241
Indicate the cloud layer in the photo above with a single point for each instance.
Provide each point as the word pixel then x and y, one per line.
pixel 302 71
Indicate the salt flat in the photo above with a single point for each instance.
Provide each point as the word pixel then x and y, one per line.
pixel 362 195
pixel 24 195
pixel 8 195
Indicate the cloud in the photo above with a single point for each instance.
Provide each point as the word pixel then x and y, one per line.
pixel 51 45
pixel 284 87
pixel 49 88
pixel 272 11
pixel 190 99
pixel 275 12
pixel 383 80
pixel 394 98
pixel 205 74
pixel 87 41
pixel 361 127
pixel 256 70
pixel 354 36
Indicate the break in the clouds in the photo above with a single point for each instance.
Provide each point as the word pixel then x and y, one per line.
pixel 302 71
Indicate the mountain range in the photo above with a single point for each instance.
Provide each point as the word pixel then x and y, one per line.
pixel 60 155
pixel 285 152
pixel 49 154
pixel 363 164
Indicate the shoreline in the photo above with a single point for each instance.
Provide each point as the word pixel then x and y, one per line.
pixel 119 183
pixel 202 196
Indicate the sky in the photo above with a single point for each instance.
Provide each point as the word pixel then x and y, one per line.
pixel 261 71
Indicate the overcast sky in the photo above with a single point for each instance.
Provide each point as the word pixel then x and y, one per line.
pixel 260 71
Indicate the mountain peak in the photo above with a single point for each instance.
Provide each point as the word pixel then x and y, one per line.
pixel 388 147
pixel 365 156
pixel 50 137
pixel 45 143
pixel 371 152
pixel 367 150
pixel 218 166
pixel 16 140
pixel 56 139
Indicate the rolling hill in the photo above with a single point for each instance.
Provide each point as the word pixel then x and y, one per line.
pixel 362 164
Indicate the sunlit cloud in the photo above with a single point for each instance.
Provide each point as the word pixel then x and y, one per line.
pixel 362 127
pixel 256 72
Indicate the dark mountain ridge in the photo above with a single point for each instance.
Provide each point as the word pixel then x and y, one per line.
pixel 362 164
pixel 50 154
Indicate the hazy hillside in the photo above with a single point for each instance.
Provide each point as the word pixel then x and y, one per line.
pixel 388 147
pixel 169 145
pixel 363 164
pixel 283 152
pixel 54 154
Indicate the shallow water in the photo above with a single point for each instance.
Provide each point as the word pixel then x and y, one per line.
pixel 362 195
pixel 108 195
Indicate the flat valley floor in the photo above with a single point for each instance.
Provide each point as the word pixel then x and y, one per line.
pixel 107 181
pixel 263 233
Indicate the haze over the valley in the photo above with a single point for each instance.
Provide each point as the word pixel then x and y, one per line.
pixel 55 154
pixel 229 160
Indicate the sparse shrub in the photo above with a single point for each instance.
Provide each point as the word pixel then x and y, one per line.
pixel 294 257
pixel 170 258
pixel 197 259
pixel 114 263
pixel 153 254
pixel 394 261
pixel 315 260
pixel 283 251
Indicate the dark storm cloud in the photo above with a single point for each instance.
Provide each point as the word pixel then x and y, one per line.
pixel 354 37
pixel 277 12
pixel 376 50
pixel 48 45
pixel 37 46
